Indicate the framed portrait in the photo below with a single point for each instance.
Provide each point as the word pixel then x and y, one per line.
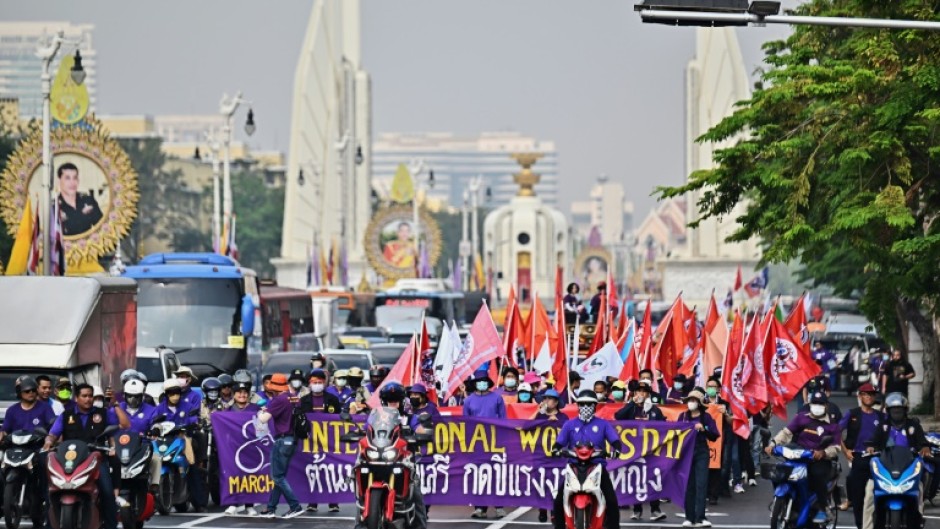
pixel 94 187
pixel 390 241
pixel 591 267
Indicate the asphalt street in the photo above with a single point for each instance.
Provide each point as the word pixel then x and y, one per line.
pixel 742 511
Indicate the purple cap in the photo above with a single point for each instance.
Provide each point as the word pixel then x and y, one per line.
pixel 418 388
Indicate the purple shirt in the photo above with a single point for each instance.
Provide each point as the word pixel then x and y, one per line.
pixel 248 407
pixel 179 414
pixel 898 437
pixel 808 432
pixel 280 408
pixel 597 431
pixel 869 423
pixel 824 357
pixel 558 417
pixel 489 405
pixel 39 416
pixel 142 421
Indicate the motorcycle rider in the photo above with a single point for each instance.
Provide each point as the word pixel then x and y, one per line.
pixel 588 429
pixel 45 393
pixel 295 381
pixel 63 394
pixel 815 431
pixel 86 423
pixel 360 395
pixel 142 417
pixel 184 414
pixel 641 408
pixel 30 412
pixel 212 395
pixel 377 375
pixel 242 376
pixel 226 392
pixel 897 430
pixel 190 396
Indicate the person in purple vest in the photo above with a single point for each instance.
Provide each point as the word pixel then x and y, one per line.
pixel 486 404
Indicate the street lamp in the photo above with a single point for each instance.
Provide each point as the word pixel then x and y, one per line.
pixel 416 167
pixel 227 107
pixel 47 54
pixel 213 140
pixel 250 122
pixel 359 157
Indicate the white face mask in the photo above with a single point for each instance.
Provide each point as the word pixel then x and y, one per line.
pixel 295 384
pixel 316 388
pixel 98 404
pixel 340 382
pixel 817 410
pixel 693 405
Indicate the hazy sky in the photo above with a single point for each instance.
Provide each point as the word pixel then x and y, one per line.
pixel 588 75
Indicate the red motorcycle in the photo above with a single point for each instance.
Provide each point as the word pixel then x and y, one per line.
pixel 73 484
pixel 582 498
pixel 386 491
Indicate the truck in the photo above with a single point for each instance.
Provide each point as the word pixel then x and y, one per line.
pixel 81 328
pixel 202 306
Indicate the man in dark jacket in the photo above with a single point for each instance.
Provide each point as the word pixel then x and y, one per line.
pixel 320 401
pixel 641 408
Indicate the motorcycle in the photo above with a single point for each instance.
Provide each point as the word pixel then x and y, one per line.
pixel 73 469
pixel 384 470
pixel 897 473
pixel 792 507
pixel 134 452
pixel 930 490
pixel 582 499
pixel 21 491
pixel 170 445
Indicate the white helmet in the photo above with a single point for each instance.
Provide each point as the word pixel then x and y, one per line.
pixel 172 383
pixel 97 392
pixel 525 386
pixel 134 387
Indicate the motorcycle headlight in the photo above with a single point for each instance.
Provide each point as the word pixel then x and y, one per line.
pixel 390 455
pixel 372 454
pixel 21 439
pixel 798 473
pixel 78 482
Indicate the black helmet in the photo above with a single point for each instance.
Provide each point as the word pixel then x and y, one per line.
pixel 211 387
pixel 226 380
pixel 392 392
pixel 242 376
pixel 25 383
pixel 317 356
pixel 378 371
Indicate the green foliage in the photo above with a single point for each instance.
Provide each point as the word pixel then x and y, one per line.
pixel 260 212
pixel 836 157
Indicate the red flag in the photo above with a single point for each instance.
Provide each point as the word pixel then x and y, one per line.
pixel 692 356
pixel 560 360
pixel 673 340
pixel 611 293
pixel 788 367
pixel 631 368
pixel 513 330
pixel 738 280
pixel 559 289
pixel 402 372
pixel 482 345
pixel 424 370
pixel 755 384
pixel 796 325
pixel 736 369
pixel 600 328
pixel 641 344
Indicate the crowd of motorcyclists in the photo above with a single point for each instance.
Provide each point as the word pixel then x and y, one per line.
pixel 62 412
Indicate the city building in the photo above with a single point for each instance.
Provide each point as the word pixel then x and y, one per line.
pixel 21 69
pixel 456 160
pixel 607 208
pixel 328 186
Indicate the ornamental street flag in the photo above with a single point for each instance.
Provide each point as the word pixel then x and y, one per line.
pixel 796 324
pixel 482 345
pixel 604 363
pixel 737 369
pixel 758 283
pixel 788 367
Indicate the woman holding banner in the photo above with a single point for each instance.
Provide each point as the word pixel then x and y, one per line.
pixel 706 430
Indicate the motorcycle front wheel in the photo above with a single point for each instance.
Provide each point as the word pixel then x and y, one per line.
pixel 165 498
pixel 12 510
pixel 128 517
pixel 580 519
pixel 375 518
pixel 68 517
pixel 778 517
pixel 894 519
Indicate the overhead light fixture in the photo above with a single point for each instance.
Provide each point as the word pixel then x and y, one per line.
pixel 359 158
pixel 764 8
pixel 300 177
pixel 77 72
pixel 431 178
pixel 197 155
pixel 250 122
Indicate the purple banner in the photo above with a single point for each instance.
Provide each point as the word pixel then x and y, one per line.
pixel 471 462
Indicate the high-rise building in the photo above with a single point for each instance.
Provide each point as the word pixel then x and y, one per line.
pixel 608 209
pixel 21 69
pixel 456 160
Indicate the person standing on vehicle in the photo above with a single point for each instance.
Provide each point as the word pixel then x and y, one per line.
pixel 588 429
pixel 278 413
pixel 897 430
pixel 87 423
pixel 641 408
pixel 858 428
pixel 696 491
pixel 897 373
pixel 486 404
pixel 240 395
pixel 817 432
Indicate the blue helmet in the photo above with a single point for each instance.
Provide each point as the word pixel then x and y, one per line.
pixel 392 392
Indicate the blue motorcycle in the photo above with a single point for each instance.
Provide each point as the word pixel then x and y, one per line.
pixel 792 507
pixel 170 445
pixel 933 483
pixel 897 473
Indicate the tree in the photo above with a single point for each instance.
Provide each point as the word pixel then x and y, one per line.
pixel 260 221
pixel 837 159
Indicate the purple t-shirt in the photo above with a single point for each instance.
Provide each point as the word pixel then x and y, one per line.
pixel 808 432
pixel 869 423
pixel 490 405
pixel 39 416
pixel 280 408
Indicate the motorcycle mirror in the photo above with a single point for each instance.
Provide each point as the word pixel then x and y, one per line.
pixel 41 431
pixel 425 419
pixel 345 416
pixel 110 429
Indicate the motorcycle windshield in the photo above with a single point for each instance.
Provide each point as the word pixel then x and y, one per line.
pixel 383 426
pixel 897 459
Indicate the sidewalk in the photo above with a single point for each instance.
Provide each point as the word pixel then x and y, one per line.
pixel 929 423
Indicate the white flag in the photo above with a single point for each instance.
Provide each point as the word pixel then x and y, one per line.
pixel 606 362
pixel 446 352
pixel 543 360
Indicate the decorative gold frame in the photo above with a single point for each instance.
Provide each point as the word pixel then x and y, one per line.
pixel 587 253
pixel 430 231
pixel 89 140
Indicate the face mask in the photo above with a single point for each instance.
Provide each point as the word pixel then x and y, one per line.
pixel 415 402
pixel 295 384
pixel 711 392
pixel 525 396
pixel 482 385
pixel 618 395
pixel 601 395
pixel 817 410
pixel 692 405
pixel 896 414
pixel 586 412
pixel 133 401
pixel 510 383
pixel 98 404
pixel 212 395
pixel 646 379
pixel 317 364
pixel 677 386
pixel 341 383
pixel 64 394
pixel 317 387
pixel 184 382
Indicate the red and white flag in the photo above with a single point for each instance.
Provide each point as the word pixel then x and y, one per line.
pixel 644 334
pixel 482 345
pixel 796 325
pixel 755 385
pixel 402 372
pixel 736 370
pixel 560 359
pixel 788 366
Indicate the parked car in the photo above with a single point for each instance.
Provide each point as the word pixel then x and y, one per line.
pixel 373 334
pixel 386 354
pixel 346 358
pixel 286 362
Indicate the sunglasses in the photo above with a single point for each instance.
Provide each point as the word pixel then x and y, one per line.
pixel 28 391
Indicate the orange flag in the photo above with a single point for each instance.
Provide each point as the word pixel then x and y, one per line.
pixel 796 324
pixel 715 338
pixel 402 372
pixel 644 335
pixel 736 369
pixel 673 340
pixel 560 359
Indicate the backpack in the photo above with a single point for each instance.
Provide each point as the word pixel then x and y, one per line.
pixel 299 424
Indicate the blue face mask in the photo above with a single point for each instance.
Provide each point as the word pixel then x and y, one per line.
pixel 617 394
pixel 482 385
pixel 510 383
pixel 525 396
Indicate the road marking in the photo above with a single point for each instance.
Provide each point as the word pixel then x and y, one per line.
pixel 202 520
pixel 507 519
